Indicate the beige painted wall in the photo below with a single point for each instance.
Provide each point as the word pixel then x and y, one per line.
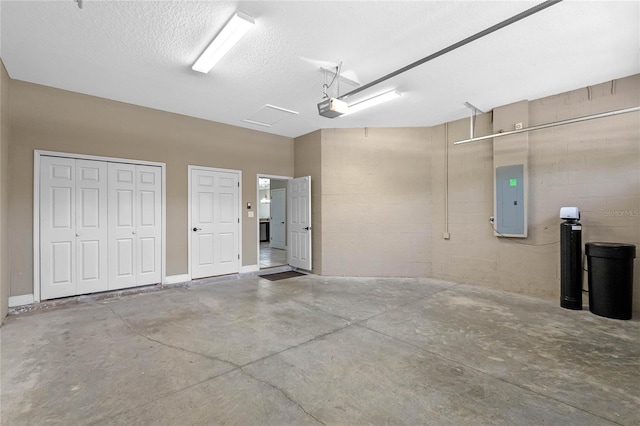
pixel 383 193
pixel 376 202
pixel 50 119
pixel 378 195
pixel 468 255
pixel 594 165
pixel 308 162
pixel 4 191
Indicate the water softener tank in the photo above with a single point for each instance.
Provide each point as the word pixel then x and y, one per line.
pixel 570 259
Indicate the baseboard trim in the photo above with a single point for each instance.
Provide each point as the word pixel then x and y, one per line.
pixel 175 279
pixel 28 299
pixel 25 299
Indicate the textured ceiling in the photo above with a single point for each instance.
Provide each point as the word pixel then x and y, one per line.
pixel 141 52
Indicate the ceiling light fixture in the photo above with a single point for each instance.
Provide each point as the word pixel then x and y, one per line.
pixel 239 24
pixel 476 36
pixel 376 100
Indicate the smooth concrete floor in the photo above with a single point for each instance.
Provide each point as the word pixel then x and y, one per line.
pixel 318 350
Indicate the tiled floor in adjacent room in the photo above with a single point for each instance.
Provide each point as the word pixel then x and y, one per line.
pixel 270 257
pixel 319 350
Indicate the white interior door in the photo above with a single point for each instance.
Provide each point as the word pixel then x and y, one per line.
pixel 57 227
pixel 100 226
pixel 299 222
pixel 148 225
pixel 122 227
pixel 278 219
pixel 91 226
pixel 73 227
pixel 135 229
pixel 215 223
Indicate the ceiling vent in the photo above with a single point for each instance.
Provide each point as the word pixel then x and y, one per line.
pixel 269 115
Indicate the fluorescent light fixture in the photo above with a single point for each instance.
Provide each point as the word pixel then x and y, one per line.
pixel 376 100
pixel 239 24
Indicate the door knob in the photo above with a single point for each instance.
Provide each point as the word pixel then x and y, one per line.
pixel 282 223
pixel 133 232
pixel 197 229
pixel 307 228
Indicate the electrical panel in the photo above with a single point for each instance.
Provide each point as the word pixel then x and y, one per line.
pixel 510 208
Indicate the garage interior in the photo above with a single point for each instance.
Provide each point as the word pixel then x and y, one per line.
pixel 415 307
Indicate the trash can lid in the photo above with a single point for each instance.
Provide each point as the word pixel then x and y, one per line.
pixel 611 250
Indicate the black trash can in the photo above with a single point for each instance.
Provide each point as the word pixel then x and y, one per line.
pixel 610 268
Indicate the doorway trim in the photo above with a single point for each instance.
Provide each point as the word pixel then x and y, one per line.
pixel 258 177
pixel 190 168
pixel 37 154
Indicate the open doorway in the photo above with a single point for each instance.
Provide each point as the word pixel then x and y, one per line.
pixel 272 218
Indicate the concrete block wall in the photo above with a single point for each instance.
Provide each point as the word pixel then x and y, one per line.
pixel 376 206
pixel 380 195
pixel 389 195
pixel 594 165
pixel 308 162
pixel 462 178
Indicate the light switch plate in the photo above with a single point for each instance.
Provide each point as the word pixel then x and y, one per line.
pixel 250 214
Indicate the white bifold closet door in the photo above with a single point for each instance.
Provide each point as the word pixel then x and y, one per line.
pixel 73 227
pixel 134 225
pixel 100 226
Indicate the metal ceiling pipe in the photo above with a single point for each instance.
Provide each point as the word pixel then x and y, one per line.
pixel 554 124
pixel 455 46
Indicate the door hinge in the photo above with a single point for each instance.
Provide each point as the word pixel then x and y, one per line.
pixel 238 257
pixel 238 184
pixel 238 220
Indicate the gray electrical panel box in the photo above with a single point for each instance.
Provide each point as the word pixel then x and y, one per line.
pixel 510 213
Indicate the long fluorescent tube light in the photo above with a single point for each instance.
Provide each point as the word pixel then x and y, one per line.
pixel 376 100
pixel 239 24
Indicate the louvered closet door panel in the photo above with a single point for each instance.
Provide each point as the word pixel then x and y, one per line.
pixel 122 228
pixel 57 228
pixel 149 230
